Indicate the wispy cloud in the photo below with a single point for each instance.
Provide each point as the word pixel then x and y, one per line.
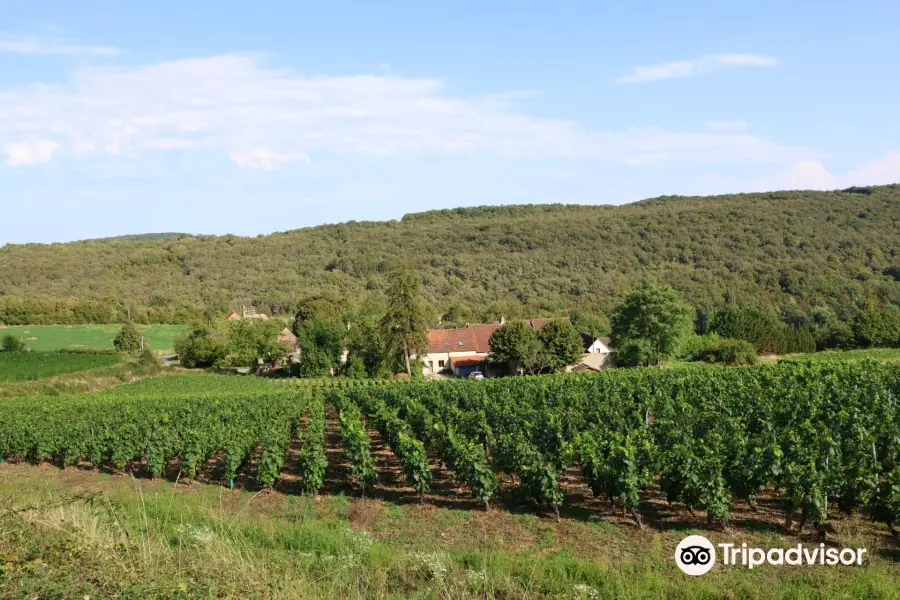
pixel 697 66
pixel 263 159
pixel 266 118
pixel 35 46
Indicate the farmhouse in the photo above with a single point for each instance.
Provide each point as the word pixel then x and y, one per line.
pixel 445 345
pixel 461 351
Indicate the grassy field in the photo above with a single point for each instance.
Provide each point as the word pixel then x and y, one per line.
pixel 880 354
pixel 26 366
pixel 82 533
pixel 97 337
pixel 123 370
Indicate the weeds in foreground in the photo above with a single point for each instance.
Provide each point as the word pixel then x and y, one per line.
pixel 136 539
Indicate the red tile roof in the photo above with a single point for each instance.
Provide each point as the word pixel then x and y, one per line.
pixel 466 361
pixel 474 337
pixel 483 333
pixel 451 340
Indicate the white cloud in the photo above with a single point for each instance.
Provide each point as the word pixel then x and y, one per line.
pixel 735 126
pixel 813 175
pixel 805 175
pixel 263 159
pixel 879 172
pixel 264 118
pixel 34 46
pixel 697 66
pixel 19 154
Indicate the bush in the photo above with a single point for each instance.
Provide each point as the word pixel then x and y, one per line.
pixel 693 346
pixel 12 344
pixel 148 358
pixel 730 352
pixel 198 349
pixel 128 339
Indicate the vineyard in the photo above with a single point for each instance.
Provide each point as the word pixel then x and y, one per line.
pixel 821 436
pixel 25 366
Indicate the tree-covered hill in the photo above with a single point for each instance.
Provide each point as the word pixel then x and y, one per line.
pixel 789 251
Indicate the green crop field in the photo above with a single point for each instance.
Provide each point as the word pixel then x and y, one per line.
pixel 40 365
pixel 44 338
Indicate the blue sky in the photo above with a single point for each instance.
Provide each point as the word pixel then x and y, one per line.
pixel 247 118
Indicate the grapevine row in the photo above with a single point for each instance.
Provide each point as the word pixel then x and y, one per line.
pixel 404 445
pixel 822 434
pixel 465 457
pixel 112 430
pixel 312 448
pixel 356 440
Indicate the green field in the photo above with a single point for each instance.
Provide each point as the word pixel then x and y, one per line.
pixel 45 338
pixel 27 366
pixel 880 354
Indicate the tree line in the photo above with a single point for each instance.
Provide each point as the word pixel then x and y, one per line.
pixel 652 324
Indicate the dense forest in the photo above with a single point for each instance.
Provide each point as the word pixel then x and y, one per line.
pixel 829 254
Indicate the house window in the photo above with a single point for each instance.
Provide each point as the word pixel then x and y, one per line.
pixel 430 364
pixel 441 364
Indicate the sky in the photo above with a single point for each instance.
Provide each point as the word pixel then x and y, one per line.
pixel 254 117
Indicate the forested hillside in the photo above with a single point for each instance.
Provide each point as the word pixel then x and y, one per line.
pixel 834 252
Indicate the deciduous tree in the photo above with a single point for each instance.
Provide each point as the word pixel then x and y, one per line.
pixel 321 344
pixel 648 325
pixel 562 343
pixel 516 344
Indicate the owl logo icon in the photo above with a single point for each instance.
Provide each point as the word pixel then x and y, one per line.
pixel 695 555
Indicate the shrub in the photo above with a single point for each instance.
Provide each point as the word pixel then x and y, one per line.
pixel 12 344
pixel 693 346
pixel 730 352
pixel 128 339
pixel 198 348
pixel 148 358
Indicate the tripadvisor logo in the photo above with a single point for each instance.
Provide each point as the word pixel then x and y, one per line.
pixel 696 555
